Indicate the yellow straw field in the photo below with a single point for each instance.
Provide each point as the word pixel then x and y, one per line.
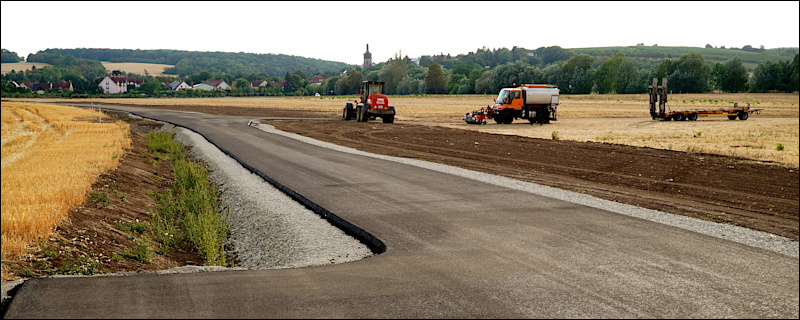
pixel 51 155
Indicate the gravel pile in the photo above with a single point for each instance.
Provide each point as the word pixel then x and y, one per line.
pixel 738 234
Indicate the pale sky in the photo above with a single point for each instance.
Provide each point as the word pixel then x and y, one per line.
pixel 340 30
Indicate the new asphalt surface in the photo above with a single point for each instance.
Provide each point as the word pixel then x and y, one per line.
pixel 449 247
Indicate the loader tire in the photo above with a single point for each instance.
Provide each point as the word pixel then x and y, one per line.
pixel 388 119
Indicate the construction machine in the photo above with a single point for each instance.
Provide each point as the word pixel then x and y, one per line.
pixel 535 102
pixel 372 104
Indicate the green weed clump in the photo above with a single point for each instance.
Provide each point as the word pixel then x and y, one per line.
pixel 779 146
pixel 188 212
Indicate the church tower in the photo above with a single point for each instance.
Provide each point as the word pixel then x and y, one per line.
pixel 367 59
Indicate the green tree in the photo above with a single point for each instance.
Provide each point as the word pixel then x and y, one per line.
pixel 690 75
pixel 766 77
pixel 9 56
pixel 578 74
pixel 435 81
pixel 734 77
pixel 150 87
pixel 242 83
pixel 392 72
pixel 606 75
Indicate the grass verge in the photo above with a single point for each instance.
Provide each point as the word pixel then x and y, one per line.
pixel 187 214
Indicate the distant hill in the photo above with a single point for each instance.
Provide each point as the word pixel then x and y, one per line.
pixel 190 62
pixel 650 56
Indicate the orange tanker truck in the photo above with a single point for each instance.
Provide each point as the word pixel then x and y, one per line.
pixel 535 102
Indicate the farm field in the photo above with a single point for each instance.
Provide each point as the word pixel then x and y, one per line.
pixel 619 119
pixel 20 66
pixel 51 155
pixel 721 189
pixel 153 69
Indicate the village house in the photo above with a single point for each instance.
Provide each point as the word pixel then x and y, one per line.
pixel 278 84
pixel 177 85
pixel 317 80
pixel 118 84
pixel 259 83
pixel 203 86
pixel 46 86
pixel 217 84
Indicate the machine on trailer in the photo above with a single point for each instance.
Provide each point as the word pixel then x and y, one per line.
pixel 658 95
pixel 371 104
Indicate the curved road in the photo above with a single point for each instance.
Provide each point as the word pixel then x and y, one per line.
pixel 510 254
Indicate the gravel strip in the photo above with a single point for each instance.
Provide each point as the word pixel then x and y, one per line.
pixel 738 234
pixel 269 230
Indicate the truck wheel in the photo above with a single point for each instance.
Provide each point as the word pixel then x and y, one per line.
pixel 731 117
pixel 692 117
pixel 388 119
pixel 744 115
pixel 508 118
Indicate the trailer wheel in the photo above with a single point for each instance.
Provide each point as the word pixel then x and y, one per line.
pixel 744 115
pixel 679 117
pixel 731 117
pixel 692 117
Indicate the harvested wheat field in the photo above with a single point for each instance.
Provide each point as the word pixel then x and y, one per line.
pixel 153 69
pixel 51 155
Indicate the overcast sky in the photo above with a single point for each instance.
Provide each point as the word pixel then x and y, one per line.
pixel 339 31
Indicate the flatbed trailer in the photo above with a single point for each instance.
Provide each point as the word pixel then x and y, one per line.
pixel 743 113
pixel 658 95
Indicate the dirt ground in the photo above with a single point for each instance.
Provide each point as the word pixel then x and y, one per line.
pixel 761 196
pixel 736 191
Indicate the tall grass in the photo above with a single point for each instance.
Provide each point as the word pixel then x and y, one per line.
pixel 188 212
pixel 50 158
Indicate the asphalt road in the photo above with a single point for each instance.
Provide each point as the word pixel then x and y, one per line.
pixel 455 248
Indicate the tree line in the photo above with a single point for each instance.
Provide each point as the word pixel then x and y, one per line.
pixel 483 72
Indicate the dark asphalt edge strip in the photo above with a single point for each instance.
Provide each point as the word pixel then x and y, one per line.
pixel 374 244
